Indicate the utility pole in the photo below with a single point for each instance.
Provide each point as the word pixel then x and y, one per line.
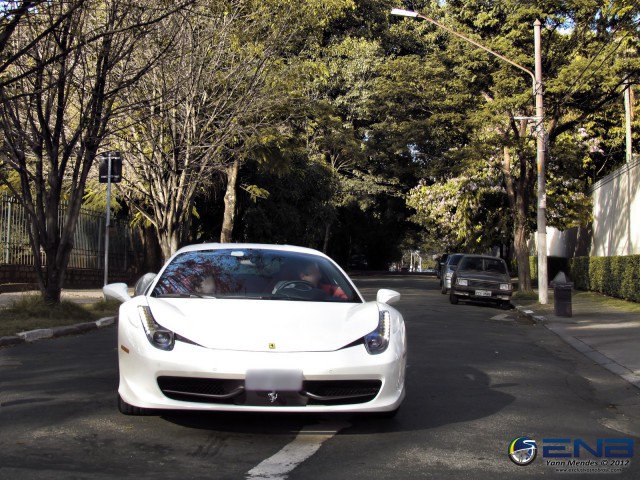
pixel 543 277
pixel 628 117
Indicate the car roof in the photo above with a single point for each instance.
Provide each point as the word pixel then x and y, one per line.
pixel 253 246
pixel 473 255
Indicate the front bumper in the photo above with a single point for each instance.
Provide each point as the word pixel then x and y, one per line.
pixel 190 377
pixel 486 295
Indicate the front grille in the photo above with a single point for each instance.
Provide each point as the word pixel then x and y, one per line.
pixel 202 390
pixel 340 392
pixel 484 284
pixel 232 392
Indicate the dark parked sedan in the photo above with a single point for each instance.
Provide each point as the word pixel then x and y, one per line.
pixel 481 277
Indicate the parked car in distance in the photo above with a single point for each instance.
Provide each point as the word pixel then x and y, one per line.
pixel 441 262
pixel 448 269
pixel 483 278
pixel 358 262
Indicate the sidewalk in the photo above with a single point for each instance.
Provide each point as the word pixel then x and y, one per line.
pixel 75 295
pixel 605 330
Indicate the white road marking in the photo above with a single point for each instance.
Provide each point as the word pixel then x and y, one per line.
pixel 306 443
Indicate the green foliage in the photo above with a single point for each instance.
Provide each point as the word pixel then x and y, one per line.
pixel 346 121
pixel 582 71
pixel 464 213
pixel 296 210
pixel 613 276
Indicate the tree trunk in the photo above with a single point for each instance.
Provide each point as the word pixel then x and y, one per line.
pixel 519 203
pixel 53 288
pixel 230 201
pixel 327 235
pixel 522 255
pixel 152 260
pixel 169 242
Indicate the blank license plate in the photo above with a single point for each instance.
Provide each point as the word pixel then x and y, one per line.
pixel 483 293
pixel 270 380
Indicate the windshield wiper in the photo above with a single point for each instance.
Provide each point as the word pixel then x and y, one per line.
pixel 185 295
pixel 292 298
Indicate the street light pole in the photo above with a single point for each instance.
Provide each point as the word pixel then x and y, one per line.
pixel 543 277
pixel 540 138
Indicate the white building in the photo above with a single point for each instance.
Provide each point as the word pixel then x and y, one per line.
pixel 615 230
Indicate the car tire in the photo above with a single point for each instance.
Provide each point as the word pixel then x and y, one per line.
pixel 505 305
pixel 453 298
pixel 127 409
pixel 444 289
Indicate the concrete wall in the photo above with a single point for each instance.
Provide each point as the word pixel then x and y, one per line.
pixel 615 229
pixel 616 213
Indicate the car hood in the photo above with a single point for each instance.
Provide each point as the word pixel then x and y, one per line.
pixel 485 276
pixel 269 326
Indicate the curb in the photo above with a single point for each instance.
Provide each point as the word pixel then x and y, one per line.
pixel 531 315
pixel 17 287
pixel 45 333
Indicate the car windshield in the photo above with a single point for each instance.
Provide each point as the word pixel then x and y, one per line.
pixel 254 273
pixel 455 259
pixel 479 264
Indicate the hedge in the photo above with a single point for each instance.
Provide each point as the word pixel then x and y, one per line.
pixel 613 276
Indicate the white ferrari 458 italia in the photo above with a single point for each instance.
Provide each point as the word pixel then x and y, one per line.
pixel 257 328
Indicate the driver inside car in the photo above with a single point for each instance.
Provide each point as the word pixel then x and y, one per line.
pixel 311 273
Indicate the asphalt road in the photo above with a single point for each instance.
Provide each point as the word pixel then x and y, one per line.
pixel 478 377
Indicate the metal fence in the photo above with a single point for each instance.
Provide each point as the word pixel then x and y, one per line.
pixel 89 239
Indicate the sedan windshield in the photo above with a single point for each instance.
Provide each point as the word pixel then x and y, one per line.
pixel 254 273
pixel 480 264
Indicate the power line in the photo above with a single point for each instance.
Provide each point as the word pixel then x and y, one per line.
pixel 593 59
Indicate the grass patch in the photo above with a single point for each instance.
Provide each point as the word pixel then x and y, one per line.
pixel 525 296
pixel 610 302
pixel 531 299
pixel 31 313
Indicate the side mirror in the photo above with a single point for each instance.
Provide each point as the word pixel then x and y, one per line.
pixel 116 291
pixel 143 283
pixel 387 296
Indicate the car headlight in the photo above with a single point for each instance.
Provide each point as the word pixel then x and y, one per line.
pixel 158 336
pixel 462 282
pixel 378 340
pixel 448 275
pixel 505 286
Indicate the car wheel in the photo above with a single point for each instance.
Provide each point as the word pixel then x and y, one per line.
pixel 127 409
pixel 444 289
pixel 505 305
pixel 453 298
